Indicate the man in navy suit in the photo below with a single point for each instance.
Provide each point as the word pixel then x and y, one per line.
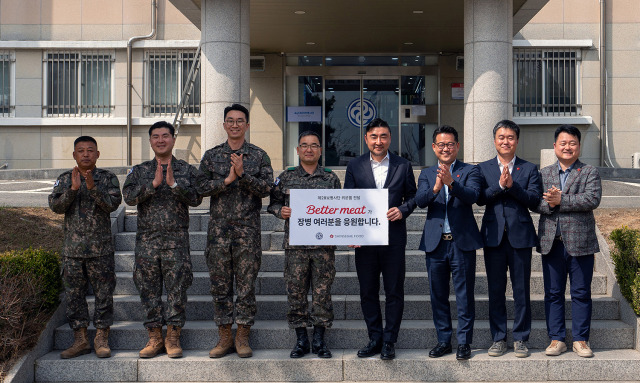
pixel 511 186
pixel 377 170
pixel 450 239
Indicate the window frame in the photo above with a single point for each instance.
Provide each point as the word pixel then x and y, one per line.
pixel 10 57
pixel 544 56
pixel 81 110
pixel 178 56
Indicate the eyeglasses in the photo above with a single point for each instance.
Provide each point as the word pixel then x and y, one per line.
pixel 231 122
pixel 312 146
pixel 449 145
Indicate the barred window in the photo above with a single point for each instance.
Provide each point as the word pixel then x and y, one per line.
pixel 546 82
pixel 78 84
pixel 167 76
pixel 6 67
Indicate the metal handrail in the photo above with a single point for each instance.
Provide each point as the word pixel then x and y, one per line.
pixel 186 92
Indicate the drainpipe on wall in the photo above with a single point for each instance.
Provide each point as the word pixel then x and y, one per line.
pixel 154 22
pixel 605 157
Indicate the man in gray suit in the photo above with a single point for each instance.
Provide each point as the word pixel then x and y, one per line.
pixel 568 240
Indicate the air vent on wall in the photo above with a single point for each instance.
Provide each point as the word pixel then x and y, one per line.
pixel 256 63
pixel 460 63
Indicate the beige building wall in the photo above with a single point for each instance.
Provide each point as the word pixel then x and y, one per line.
pixel 578 20
pixel 29 140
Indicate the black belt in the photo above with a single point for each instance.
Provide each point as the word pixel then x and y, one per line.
pixel 447 237
pixel 558 238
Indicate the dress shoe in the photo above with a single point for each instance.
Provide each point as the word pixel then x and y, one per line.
pixel 440 349
pixel 374 347
pixel 464 352
pixel 388 351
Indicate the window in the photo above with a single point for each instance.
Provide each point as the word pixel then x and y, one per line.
pixel 6 67
pixel 168 75
pixel 546 82
pixel 78 84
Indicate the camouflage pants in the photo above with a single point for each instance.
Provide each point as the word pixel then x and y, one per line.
pixel 77 274
pixel 304 268
pixel 234 257
pixel 173 266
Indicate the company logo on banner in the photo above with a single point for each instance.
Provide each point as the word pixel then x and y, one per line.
pixel 369 112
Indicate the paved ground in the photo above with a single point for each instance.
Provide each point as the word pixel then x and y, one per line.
pixel 617 193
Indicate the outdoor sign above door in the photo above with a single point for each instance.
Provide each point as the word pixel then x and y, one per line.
pixel 304 113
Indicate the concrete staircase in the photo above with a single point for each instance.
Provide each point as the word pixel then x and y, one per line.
pixel 612 339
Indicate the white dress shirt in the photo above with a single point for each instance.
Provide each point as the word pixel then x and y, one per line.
pixel 380 170
pixel 445 227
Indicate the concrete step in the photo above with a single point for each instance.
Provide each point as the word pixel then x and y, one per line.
pixel 347 307
pixel 347 334
pixel 270 240
pixel 345 366
pixel 346 282
pixel 273 260
pixel 199 221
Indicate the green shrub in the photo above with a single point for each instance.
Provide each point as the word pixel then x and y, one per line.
pixel 626 258
pixel 44 265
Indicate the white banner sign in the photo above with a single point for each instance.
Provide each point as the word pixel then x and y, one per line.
pixel 322 217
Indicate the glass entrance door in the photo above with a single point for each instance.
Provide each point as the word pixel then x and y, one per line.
pixel 350 103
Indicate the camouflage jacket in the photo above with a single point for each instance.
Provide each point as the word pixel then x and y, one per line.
pixel 239 202
pixel 87 221
pixel 163 212
pixel 298 178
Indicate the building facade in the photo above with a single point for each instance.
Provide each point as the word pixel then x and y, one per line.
pixel 329 66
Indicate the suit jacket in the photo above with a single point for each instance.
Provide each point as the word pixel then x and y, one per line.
pixel 581 195
pixel 400 182
pixel 511 206
pixel 463 193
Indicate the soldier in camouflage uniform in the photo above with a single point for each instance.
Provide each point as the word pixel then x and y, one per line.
pixel 237 175
pixel 86 196
pixel 163 189
pixel 306 266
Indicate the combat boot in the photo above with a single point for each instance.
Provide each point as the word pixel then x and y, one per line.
pixel 225 342
pixel 172 342
pixel 80 344
pixel 242 341
pixel 101 343
pixel 302 346
pixel 318 346
pixel 155 345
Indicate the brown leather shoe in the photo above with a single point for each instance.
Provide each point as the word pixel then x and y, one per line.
pixel 101 343
pixel 225 342
pixel 172 342
pixel 155 345
pixel 80 345
pixel 242 341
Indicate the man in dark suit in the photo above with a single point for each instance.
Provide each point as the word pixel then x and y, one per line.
pixel 382 169
pixel 450 239
pixel 510 187
pixel 567 233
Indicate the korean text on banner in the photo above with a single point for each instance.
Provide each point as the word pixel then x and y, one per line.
pixel 323 217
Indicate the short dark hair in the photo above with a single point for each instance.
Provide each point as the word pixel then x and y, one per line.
pixel 309 133
pixel 507 124
pixel 162 124
pixel 237 107
pixel 377 123
pixel 445 129
pixel 85 139
pixel 570 129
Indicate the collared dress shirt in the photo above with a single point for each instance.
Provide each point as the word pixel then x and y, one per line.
pixel 380 170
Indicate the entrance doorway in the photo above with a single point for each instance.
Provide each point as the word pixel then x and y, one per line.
pixel 339 107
